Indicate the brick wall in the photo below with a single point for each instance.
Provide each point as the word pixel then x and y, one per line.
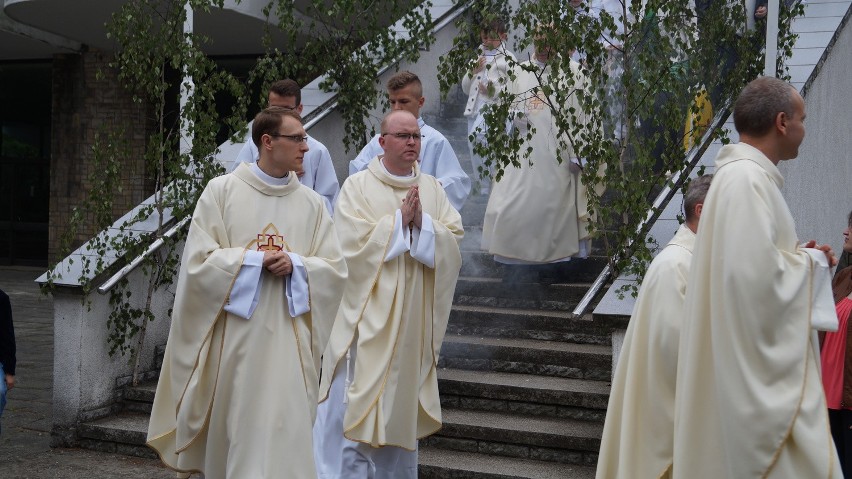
pixel 84 105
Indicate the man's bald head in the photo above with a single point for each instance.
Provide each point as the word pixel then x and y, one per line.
pixel 394 116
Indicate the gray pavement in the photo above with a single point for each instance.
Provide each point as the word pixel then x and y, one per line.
pixel 25 451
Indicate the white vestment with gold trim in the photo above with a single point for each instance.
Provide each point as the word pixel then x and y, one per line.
pixel 237 397
pixel 749 401
pixel 538 211
pixel 394 311
pixel 637 436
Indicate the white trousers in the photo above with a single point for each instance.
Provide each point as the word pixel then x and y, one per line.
pixel 337 457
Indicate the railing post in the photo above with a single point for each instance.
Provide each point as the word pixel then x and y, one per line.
pixel 770 68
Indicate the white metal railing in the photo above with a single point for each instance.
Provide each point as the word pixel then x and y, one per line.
pixel 676 182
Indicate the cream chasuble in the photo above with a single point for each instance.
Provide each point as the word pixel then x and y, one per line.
pixel 637 437
pixel 749 399
pixel 398 309
pixel 539 212
pixel 236 397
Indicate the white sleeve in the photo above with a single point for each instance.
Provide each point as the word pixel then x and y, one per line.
pixel 456 191
pixel 248 154
pixel 328 205
pixel 367 153
pixel 325 182
pixel 824 314
pixel 450 174
pixel 423 242
pixel 296 287
pixel 400 240
pixel 246 290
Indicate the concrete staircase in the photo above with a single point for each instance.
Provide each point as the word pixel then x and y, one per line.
pixel 524 384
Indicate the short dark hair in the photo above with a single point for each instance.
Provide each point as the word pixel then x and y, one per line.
pixel 759 104
pixel 695 194
pixel 403 79
pixel 287 87
pixel 268 121
pixel 493 24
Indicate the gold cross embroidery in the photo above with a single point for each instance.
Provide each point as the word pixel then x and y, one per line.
pixel 271 240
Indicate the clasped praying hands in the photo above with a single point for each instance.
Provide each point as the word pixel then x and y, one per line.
pixel 412 211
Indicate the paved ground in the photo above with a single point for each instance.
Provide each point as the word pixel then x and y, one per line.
pixel 25 451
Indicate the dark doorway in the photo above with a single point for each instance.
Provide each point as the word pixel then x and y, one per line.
pixel 25 96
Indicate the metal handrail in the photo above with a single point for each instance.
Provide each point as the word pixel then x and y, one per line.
pixel 668 192
pixel 154 246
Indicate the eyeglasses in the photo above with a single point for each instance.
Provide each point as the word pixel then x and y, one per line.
pixel 405 136
pixel 293 138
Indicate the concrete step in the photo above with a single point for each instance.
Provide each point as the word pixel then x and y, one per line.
pixel 126 433
pixel 476 262
pixel 526 323
pixel 527 356
pixel 473 212
pixel 454 128
pixel 437 463
pixel 123 433
pixel 524 393
pixel 480 263
pixel 140 398
pixel 494 293
pixel 517 435
pixel 472 240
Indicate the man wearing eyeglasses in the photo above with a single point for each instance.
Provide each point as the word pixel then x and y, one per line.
pixel 260 283
pixel 317 170
pixel 400 237
pixel 437 157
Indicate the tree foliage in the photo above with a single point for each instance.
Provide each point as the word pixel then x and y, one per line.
pixel 637 87
pixel 349 42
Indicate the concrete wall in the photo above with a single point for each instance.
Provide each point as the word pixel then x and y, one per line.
pixel 85 377
pixel 817 183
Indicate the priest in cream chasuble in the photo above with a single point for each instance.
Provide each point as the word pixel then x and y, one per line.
pixel 548 183
pixel 637 436
pixel 238 391
pixel 382 355
pixel 749 401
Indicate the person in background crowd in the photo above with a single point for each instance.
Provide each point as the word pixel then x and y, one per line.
pixel 836 356
pixel 317 170
pixel 7 350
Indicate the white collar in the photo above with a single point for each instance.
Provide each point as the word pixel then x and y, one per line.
pixel 270 180
pixel 382 163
